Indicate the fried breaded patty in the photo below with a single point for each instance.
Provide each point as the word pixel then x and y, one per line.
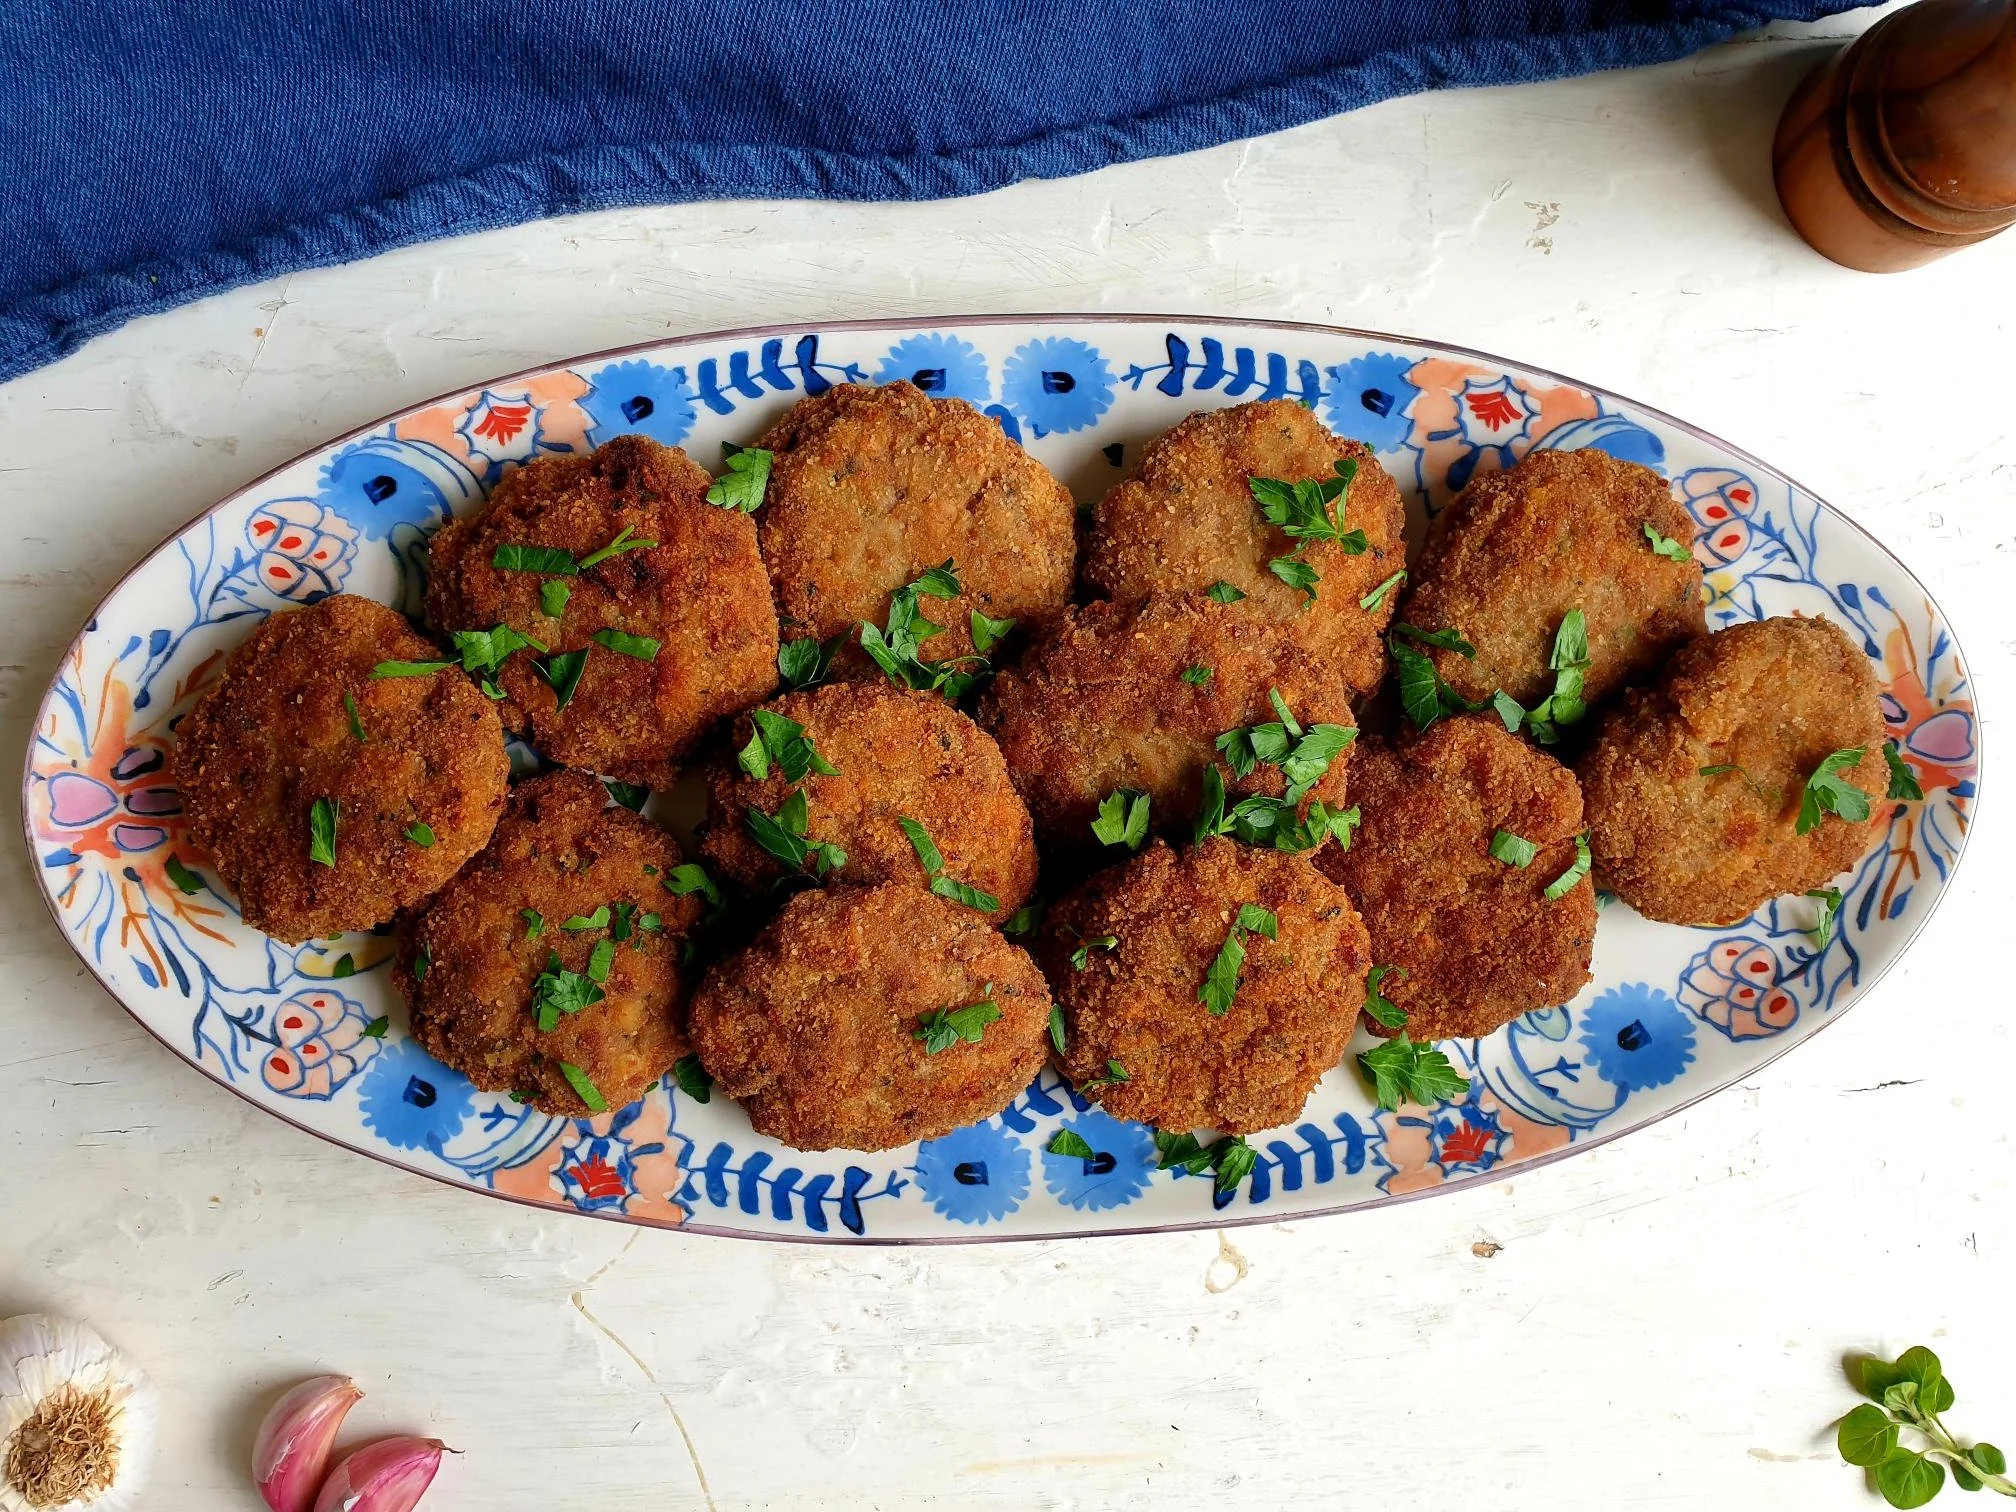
pixel 869 487
pixel 1187 519
pixel 1562 530
pixel 476 964
pixel 899 755
pixel 1135 1002
pixel 1771 699
pixel 1478 939
pixel 1101 702
pixel 700 593
pixel 274 736
pixel 816 1026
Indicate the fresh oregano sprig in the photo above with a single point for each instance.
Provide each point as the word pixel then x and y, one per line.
pixel 1908 1394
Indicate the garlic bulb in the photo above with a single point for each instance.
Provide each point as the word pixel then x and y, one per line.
pixel 76 1419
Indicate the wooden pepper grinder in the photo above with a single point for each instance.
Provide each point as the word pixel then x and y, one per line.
pixel 1903 147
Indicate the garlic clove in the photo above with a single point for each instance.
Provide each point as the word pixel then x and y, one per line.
pixel 76 1419
pixel 388 1476
pixel 291 1455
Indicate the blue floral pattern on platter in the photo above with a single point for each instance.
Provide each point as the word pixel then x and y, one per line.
pixel 1673 1013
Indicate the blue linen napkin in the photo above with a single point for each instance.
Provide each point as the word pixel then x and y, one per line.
pixel 153 151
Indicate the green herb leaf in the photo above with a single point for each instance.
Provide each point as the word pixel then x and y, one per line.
pixel 1115 1075
pixel 1577 870
pixel 921 842
pixel 1903 781
pixel 1829 899
pixel 1865 1436
pixel 1222 592
pixel 1181 1152
pixel 896 647
pixel 623 924
pixel 1569 661
pixel 1907 1479
pixel 785 837
pixel 1989 1458
pixel 322 832
pixel 1210 818
pixel 1512 850
pixel 742 485
pixel 630 795
pixel 1221 980
pixel 553 596
pixel 562 673
pixel 556 991
pixel 945 1027
pixel 1071 1145
pixel 1921 1367
pixel 1232 1161
pixel 1828 792
pixel 1442 640
pixel 1057 1028
pixel 941 581
pixel 1666 546
pixel 583 1088
pixel 597 920
pixel 622 543
pixel 410 668
pixel 184 879
pixel 1082 956
pixel 1508 711
pixel 1420 686
pixel 1306 764
pixel 1296 573
pixel 1403 1071
pixel 534 559
pixel 691 877
pixel 693 1079
pixel 1377 1006
pixel 600 959
pixel 346 965
pixel 1196 676
pixel 805 662
pixel 1288 722
pixel 377 1027
pixel 356 724
pixel 642 647
pixel 535 922
pixel 1372 600
pixel 1123 818
pixel 964 892
pixel 1301 509
pixel 784 742
pixel 485 650
pixel 421 834
pixel 987 633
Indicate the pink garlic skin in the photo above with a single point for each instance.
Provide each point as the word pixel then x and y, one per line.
pixel 291 1454
pixel 388 1476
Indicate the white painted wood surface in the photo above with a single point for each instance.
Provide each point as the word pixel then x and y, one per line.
pixel 1661 1321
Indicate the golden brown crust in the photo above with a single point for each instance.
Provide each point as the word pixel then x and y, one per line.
pixel 273 735
pixel 1774 698
pixel 1100 703
pixel 900 755
pixel 1136 1002
pixel 869 487
pixel 1479 940
pixel 563 851
pixel 1187 519
pixel 700 592
pixel 1562 530
pixel 813 1027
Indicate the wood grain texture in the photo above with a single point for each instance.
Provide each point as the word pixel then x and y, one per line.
pixel 1662 1322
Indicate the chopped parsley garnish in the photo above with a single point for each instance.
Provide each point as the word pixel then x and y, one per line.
pixel 1071 1145
pixel 356 724
pixel 410 668
pixel 1221 981
pixel 535 922
pixel 423 963
pixel 1828 792
pixel 1441 640
pixel 1666 546
pixel 622 543
pixel 691 877
pixel 1057 1028
pixel 1023 921
pixel 1270 821
pixel 1230 1160
pixel 1082 956
pixel 624 924
pixel 534 559
pixel 623 643
pixel 1569 662
pixel 934 868
pixel 1196 676
pixel 784 837
pixel 1403 1071
pixel 693 1079
pixel 1378 1007
pixel 581 922
pixel 484 651
pixel 377 1027
pixel 562 673
pixel 782 743
pixel 346 966
pixel 1296 573
pixel 896 647
pixel 1773 796
pixel 600 959
pixel 631 795
pixel 583 1088
pixel 1123 818
pixel 1424 695
pixel 1302 509
pixel 1115 1075
pixel 553 596
pixel 421 834
pixel 1288 721
pixel 1222 592
pixel 1512 850
pixel 1903 781
pixel 1829 899
pixel 742 485
pixel 1508 710
pixel 943 1028
pixel 184 879
pixel 1579 869
pixel 556 991
pixel 987 632
pixel 1372 600
pixel 804 663
pixel 1303 755
pixel 322 832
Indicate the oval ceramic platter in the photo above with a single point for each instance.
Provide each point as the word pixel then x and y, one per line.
pixel 1672 1015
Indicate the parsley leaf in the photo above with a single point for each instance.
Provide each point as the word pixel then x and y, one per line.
pixel 1023 921
pixel 1221 981
pixel 934 868
pixel 1441 640
pixel 1057 1028
pixel 535 922
pixel 1508 710
pixel 896 647
pixel 1403 1071
pixel 1512 850
pixel 965 892
pixel 1569 662
pixel 1378 1007
pixel 377 1027
pixel 804 663
pixel 1071 1145
pixel 1305 765
pixel 1829 899
pixel 784 837
pixel 1196 676
pixel 423 963
pixel 631 795
pixel 410 668
pixel 642 647
pixel 1123 818
pixel 580 922
pixel 945 1027
pixel 553 596
pixel 534 559
pixel 1116 1074
pixel 921 842
pixel 691 877
pixel 600 959
pixel 1222 592
pixel 783 742
pixel 583 1087
pixel 1561 885
pixel 185 880
pixel 1424 696
pixel 421 834
pixel 1211 811
pixel 322 832
pixel 693 1079
pixel 1297 574
pixel 1231 1159
pixel 1288 720
pixel 556 991
pixel 1666 546
pixel 485 650
pixel 356 724
pixel 562 673
pixel 742 485
pixel 1301 509
pixel 1082 956
pixel 615 548
pixel 1903 781
pixel 1828 792
pixel 621 927
pixel 1372 600
pixel 987 633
